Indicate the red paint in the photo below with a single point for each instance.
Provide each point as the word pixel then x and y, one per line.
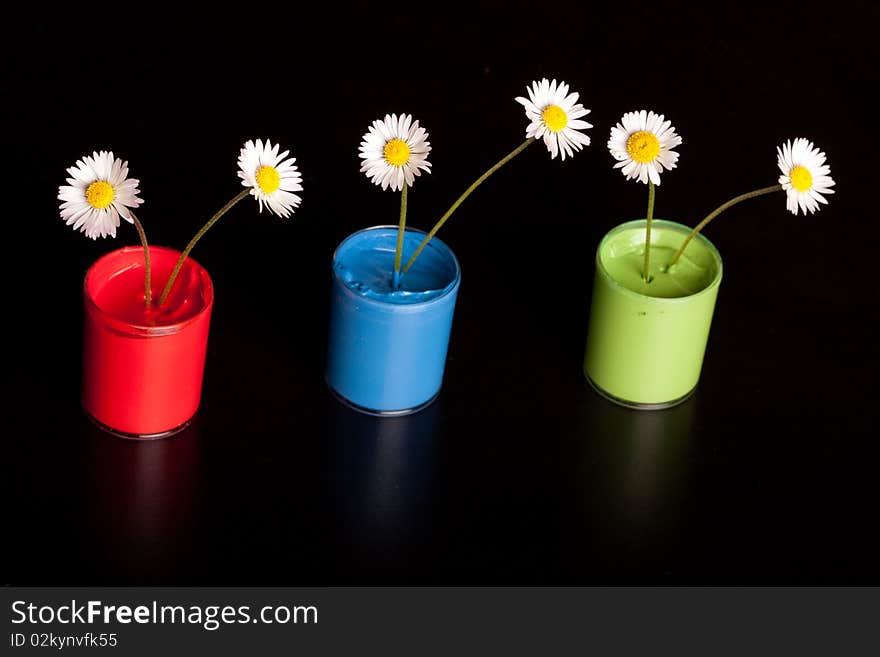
pixel 142 370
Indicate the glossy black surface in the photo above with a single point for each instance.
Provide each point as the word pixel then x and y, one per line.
pixel 519 473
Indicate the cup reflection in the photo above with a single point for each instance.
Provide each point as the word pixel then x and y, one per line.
pixel 638 463
pixel 141 503
pixel 385 468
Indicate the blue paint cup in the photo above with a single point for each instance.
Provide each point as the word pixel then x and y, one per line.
pixel 387 347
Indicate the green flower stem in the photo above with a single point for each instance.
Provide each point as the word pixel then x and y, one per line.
pixel 189 247
pixel 400 230
pixel 649 215
pixel 719 210
pixel 507 158
pixel 148 291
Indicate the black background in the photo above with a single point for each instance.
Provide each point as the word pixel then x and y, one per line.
pixel 519 473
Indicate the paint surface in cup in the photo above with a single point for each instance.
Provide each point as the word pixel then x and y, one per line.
pixel 120 292
pixel 624 258
pixel 366 266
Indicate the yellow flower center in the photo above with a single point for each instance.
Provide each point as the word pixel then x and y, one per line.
pixel 396 152
pixel 100 194
pixel 554 118
pixel 801 179
pixel 268 179
pixel 643 146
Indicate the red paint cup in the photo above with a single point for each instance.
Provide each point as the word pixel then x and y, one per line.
pixel 143 369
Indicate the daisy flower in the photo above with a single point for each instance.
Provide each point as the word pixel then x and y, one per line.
pixel 98 193
pixel 804 175
pixel 555 116
pixel 272 179
pixel 642 144
pixel 394 151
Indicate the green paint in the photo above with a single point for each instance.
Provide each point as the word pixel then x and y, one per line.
pixel 623 261
pixel 646 341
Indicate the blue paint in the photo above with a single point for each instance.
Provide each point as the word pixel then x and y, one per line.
pixel 387 347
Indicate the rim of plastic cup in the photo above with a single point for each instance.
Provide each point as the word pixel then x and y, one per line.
pixel 663 223
pixel 137 329
pixel 446 291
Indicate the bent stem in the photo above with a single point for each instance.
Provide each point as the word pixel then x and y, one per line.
pixel 400 230
pixel 507 158
pixel 189 247
pixel 649 215
pixel 148 291
pixel 719 210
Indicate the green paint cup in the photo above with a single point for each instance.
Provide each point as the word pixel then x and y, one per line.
pixel 646 340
